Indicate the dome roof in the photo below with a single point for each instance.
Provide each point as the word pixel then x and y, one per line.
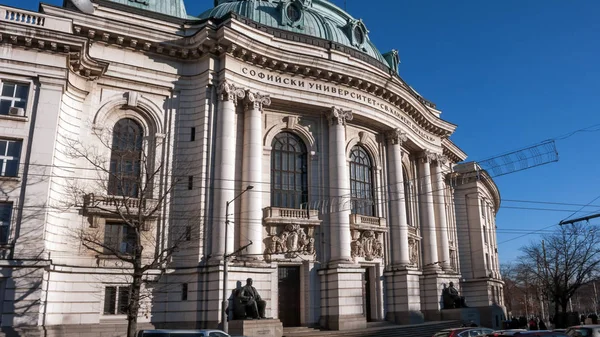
pixel 318 18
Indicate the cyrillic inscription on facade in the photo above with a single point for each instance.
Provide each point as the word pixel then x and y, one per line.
pixel 268 77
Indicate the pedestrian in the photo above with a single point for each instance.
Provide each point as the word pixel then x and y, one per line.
pixel 533 324
pixel 542 325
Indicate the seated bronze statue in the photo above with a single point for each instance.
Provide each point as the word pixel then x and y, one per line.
pixel 247 303
pixel 451 298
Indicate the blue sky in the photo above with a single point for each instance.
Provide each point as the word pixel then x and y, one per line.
pixel 509 73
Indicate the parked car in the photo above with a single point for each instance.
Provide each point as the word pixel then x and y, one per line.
pixel 463 332
pixel 525 333
pixel 508 332
pixel 583 331
pixel 182 333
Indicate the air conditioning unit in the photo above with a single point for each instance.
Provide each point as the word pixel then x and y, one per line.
pixel 14 111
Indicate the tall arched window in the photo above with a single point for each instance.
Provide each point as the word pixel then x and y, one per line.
pixel 125 158
pixel 361 182
pixel 407 195
pixel 289 178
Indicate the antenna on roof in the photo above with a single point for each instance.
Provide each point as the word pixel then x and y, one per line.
pixel 85 6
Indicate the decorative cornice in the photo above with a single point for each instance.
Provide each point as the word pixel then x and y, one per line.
pixel 230 92
pixel 205 41
pixel 338 116
pixel 396 137
pixel 256 100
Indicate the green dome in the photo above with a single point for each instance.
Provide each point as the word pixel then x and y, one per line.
pixel 318 18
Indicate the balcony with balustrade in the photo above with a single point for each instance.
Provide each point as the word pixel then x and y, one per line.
pixel 111 206
pixel 364 222
pixel 34 19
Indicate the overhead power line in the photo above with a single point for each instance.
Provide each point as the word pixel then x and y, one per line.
pixel 536 155
pixel 585 218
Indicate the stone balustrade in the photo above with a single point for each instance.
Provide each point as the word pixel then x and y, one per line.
pixel 27 18
pixel 94 204
pixel 291 215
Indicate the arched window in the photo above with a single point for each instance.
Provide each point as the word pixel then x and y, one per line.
pixel 407 195
pixel 361 182
pixel 289 178
pixel 125 158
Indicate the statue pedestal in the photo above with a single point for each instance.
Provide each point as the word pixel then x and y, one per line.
pixel 256 328
pixel 461 314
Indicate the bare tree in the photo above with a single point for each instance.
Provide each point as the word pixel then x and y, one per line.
pixel 564 261
pixel 511 285
pixel 126 194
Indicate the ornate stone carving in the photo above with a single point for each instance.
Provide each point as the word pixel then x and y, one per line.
pixel 292 241
pixel 367 244
pixel 396 137
pixel 413 251
pixel 441 159
pixel 255 100
pixel 339 116
pixel 230 92
pixel 428 156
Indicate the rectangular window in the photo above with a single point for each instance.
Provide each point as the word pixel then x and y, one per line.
pixel 5 217
pixel 12 95
pixel 485 238
pixel 120 238
pixel 184 291
pixel 190 182
pixel 116 300
pixel 192 134
pixel 10 152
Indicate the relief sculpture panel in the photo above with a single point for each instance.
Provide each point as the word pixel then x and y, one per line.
pixel 291 241
pixel 367 244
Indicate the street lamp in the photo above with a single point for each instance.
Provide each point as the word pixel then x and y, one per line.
pixel 225 263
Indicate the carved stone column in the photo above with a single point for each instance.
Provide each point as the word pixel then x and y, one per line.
pixel 224 186
pixel 251 229
pixel 339 186
pixel 440 203
pixel 430 253
pixel 398 221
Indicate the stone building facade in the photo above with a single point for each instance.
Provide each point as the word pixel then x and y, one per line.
pixel 357 212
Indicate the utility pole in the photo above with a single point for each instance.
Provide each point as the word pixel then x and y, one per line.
pixel 595 299
pixel 226 262
pixel 545 268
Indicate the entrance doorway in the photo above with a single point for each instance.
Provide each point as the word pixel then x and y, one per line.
pixel 367 294
pixel 289 296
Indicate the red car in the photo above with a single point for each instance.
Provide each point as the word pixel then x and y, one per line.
pixel 463 332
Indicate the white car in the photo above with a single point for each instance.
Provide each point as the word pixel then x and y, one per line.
pixel 583 331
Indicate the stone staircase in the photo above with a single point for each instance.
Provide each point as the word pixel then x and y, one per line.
pixel 379 329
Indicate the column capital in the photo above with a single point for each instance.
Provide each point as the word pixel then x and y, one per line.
pixel 256 100
pixel 396 137
pixel 441 159
pixel 230 92
pixel 428 157
pixel 338 116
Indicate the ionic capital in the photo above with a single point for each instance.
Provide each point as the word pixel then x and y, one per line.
pixel 338 116
pixel 230 92
pixel 396 137
pixel 256 100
